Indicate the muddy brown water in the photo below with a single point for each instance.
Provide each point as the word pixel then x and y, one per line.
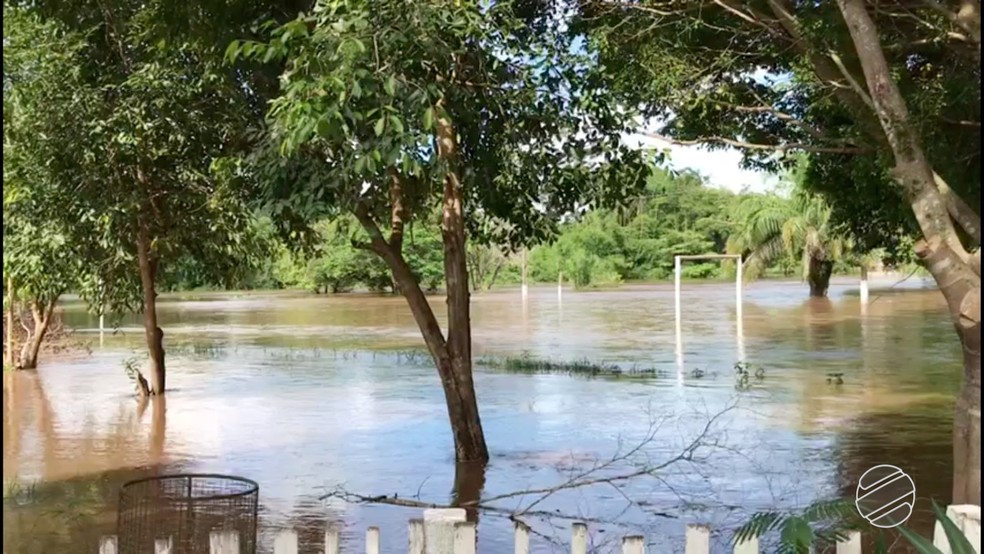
pixel 305 394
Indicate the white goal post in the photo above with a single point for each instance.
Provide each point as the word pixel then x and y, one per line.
pixel 677 278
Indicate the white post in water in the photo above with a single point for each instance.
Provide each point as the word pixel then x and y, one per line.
pixel 677 274
pixel 439 524
pixel 739 308
pixel 864 285
pixel 560 284
pixel 525 288
pixel 102 312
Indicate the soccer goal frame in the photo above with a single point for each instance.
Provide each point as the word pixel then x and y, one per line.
pixel 678 312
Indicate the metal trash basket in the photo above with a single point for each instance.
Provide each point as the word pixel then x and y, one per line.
pixel 184 510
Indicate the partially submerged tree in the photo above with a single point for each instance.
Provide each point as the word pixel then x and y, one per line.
pixel 40 261
pixel 153 111
pixel 770 227
pixel 390 110
pixel 38 268
pixel 886 93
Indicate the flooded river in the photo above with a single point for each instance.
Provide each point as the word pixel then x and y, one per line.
pixel 308 393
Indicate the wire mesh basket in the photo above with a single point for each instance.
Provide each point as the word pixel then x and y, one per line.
pixel 184 510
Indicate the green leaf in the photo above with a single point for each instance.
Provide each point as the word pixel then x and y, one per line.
pixel 922 544
pixel 232 51
pixel 380 126
pixel 797 533
pixel 356 90
pixel 397 124
pixel 390 86
pixel 959 544
pixel 428 118
pixel 760 524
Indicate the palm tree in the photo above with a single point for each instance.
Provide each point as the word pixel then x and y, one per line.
pixel 770 227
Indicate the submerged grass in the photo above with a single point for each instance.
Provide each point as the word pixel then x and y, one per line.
pixel 583 367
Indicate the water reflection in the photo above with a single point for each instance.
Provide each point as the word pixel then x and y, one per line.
pixel 304 394
pixel 469 480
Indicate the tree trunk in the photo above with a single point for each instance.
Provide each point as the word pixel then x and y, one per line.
pixel 819 276
pixel 941 251
pixel 152 332
pixel 454 371
pixel 967 419
pixel 465 421
pixel 495 275
pixel 8 354
pixel 32 345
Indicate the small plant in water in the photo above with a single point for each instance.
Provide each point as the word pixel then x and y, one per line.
pixel 835 378
pixel 131 366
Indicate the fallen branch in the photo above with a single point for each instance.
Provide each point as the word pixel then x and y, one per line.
pixel 596 474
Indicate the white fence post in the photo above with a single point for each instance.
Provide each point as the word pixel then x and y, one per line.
pixel 223 542
pixel 439 529
pixel 332 540
pixel 464 537
pixel 163 546
pixel 285 543
pixel 852 545
pixel 579 539
pixel 372 540
pixel 749 546
pixel 107 545
pixel 634 544
pixel 968 520
pixel 698 539
pixel 522 538
pixel 415 536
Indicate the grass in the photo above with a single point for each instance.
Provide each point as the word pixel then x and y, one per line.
pixel 583 367
pixel 19 492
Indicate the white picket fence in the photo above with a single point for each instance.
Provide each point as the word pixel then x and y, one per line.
pixel 448 532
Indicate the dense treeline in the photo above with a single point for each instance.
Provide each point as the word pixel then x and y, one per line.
pixel 676 213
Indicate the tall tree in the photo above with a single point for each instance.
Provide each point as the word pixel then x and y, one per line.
pixel 885 96
pixel 390 110
pixel 154 111
pixel 770 227
pixel 40 258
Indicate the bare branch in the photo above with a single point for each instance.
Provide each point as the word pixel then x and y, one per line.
pixel 740 144
pixel 598 473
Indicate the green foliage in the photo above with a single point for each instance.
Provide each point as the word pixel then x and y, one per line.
pixel 765 77
pixel 675 214
pixel 821 524
pixel 368 83
pixel 773 228
pixel 957 541
pixel 38 251
pixel 153 114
